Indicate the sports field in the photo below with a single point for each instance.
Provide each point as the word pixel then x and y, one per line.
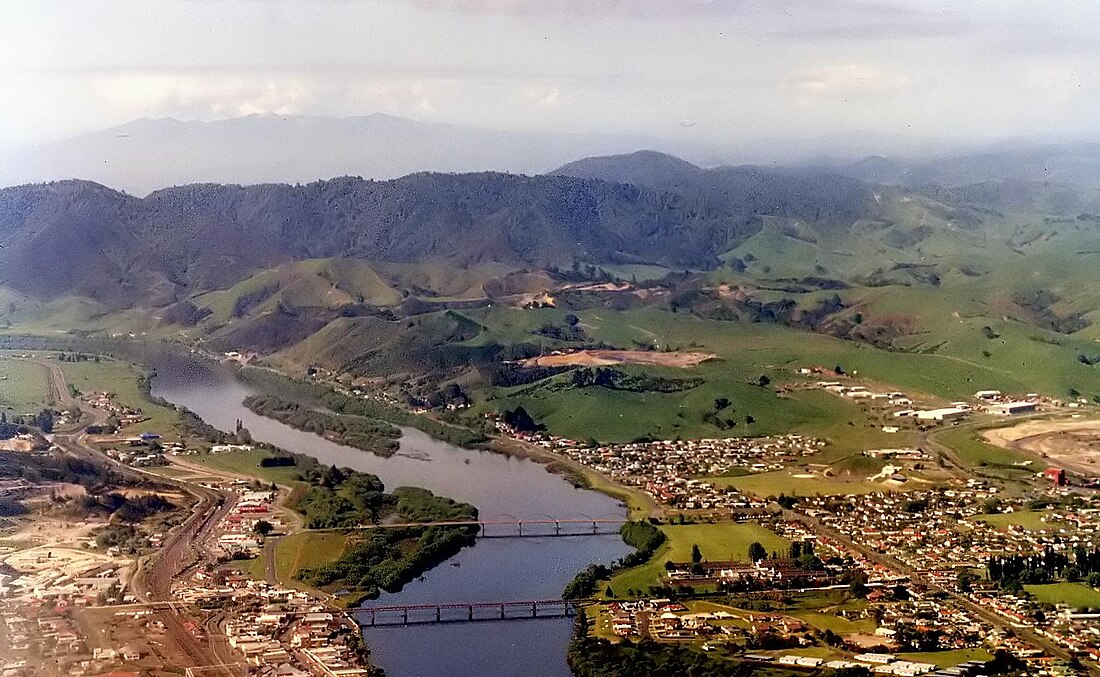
pixel 1076 595
pixel 723 541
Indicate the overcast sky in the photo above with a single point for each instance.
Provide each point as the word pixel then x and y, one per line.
pixel 712 70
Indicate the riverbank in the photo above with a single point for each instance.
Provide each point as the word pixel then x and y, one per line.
pixel 494 569
pixel 639 504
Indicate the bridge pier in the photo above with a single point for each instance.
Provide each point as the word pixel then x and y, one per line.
pixel 470 613
pixel 405 616
pixel 372 618
pixel 439 614
pixel 502 612
pixel 593 526
pixel 520 528
pixel 534 609
pixel 557 528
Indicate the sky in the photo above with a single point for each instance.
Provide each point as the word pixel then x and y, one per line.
pixel 717 71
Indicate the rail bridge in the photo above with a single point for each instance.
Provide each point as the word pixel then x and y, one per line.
pixel 465 612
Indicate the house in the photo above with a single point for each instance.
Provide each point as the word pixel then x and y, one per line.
pixel 1056 475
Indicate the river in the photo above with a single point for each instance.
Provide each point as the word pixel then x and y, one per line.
pixel 503 569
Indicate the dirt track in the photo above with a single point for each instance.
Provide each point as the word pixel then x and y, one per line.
pixel 603 358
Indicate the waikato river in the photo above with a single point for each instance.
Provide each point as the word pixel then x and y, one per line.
pixel 493 570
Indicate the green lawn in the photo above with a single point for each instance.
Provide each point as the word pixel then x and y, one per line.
pixel 306 550
pixel 721 541
pixel 1076 595
pixel 23 388
pixel 1032 521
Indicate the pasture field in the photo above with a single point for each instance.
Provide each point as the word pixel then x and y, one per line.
pixel 23 387
pixel 744 352
pixel 121 378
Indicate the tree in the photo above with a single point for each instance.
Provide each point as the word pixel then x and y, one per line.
pixel 263 528
pixel 757 551
pixel 696 554
pixel 965 581
pixel 44 421
pixel 764 381
pixel 796 549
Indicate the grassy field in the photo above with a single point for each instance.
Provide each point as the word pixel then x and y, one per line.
pixel 306 550
pixel 247 463
pixel 976 452
pixel 716 541
pixel 1076 595
pixel 121 378
pixel 789 483
pixel 946 659
pixel 1032 521
pixel 253 567
pixel 839 625
pixel 23 388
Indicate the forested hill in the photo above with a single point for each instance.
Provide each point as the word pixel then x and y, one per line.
pixel 80 238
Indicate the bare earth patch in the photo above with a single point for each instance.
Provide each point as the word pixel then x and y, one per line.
pixel 604 358
pixel 1072 444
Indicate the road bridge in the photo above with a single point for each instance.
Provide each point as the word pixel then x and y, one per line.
pixel 465 612
pixel 512 528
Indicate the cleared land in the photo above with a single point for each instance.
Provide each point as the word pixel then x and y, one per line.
pixel 1077 595
pixel 603 358
pixel 722 541
pixel 1069 443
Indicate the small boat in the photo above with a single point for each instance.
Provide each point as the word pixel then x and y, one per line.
pixel 456 564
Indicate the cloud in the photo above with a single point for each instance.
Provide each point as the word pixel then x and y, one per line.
pixel 585 7
pixel 846 78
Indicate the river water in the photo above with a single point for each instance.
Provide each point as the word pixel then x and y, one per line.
pixel 505 569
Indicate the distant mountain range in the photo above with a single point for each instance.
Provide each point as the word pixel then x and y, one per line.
pixel 145 155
